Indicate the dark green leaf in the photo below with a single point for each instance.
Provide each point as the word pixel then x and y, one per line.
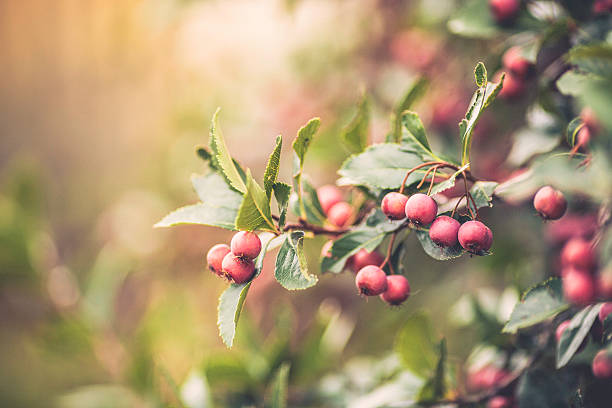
pixel 480 74
pixel 572 130
pixel 416 346
pixel 291 268
pixel 593 58
pixel 416 90
pixel 273 166
pixel 300 147
pixel 482 193
pixel 438 252
pixel 221 156
pixel 575 333
pixel 355 134
pixel 544 389
pixel 282 192
pixel 538 304
pixel 279 387
pixel 254 212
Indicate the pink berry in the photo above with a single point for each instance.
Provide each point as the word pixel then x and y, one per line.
pixel 516 63
pixel 444 231
pixel 364 258
pixel 560 329
pixel 371 280
pixel 215 256
pixel 421 209
pixel 328 195
pixel 394 206
pixel 475 237
pixel 398 290
pixel 605 310
pixel 604 283
pixel 602 365
pixel 550 203
pixel 504 11
pixel 238 270
pixel 513 88
pixel 486 378
pixel 578 287
pixel 246 244
pixel 583 137
pixel 340 214
pixel 589 117
pixel 500 401
pixel 326 249
pixel 579 253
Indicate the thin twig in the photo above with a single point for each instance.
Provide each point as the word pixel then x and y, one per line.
pixel 433 177
pixel 389 249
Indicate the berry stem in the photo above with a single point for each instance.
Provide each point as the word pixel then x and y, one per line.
pixel 433 177
pixel 389 249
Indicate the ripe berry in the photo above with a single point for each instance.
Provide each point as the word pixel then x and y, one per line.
pixel 394 206
pixel 602 365
pixel 364 258
pixel 513 88
pixel 421 209
pixel 583 137
pixel 486 378
pixel 589 117
pixel 504 11
pixel 246 244
pixel 398 290
pixel 444 230
pixel 215 256
pixel 605 310
pixel 371 280
pixel 560 329
pixel 500 401
pixel 578 287
pixel 475 237
pixel 604 283
pixel 516 63
pixel 328 195
pixel 579 253
pixel 238 270
pixel 550 203
pixel 340 214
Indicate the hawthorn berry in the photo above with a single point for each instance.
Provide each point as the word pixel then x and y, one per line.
pixel 516 63
pixel 246 244
pixel 328 195
pixel 398 290
pixel 444 231
pixel 579 253
pixel 602 365
pixel 500 401
pixel 364 258
pixel 560 329
pixel 505 11
pixel 421 209
pixel 340 214
pixel 486 378
pixel 589 117
pixel 236 269
pixel 578 287
pixel 604 283
pixel 605 311
pixel 550 203
pixel 215 256
pixel 371 280
pixel 475 237
pixel 394 206
pixel 583 137
pixel 513 88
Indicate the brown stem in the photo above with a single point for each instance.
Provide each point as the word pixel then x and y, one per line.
pixel 389 249
pixel 433 168
pixel 433 177
pixel 457 205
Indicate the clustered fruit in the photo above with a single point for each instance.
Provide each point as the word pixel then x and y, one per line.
pixel 339 213
pixel 518 71
pixel 235 262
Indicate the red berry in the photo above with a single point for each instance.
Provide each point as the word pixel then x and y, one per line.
pixel 578 287
pixel 579 253
pixel 516 63
pixel 328 195
pixel 500 401
pixel 485 378
pixel 238 270
pixel 589 117
pixel 371 280
pixel 475 237
pixel 364 258
pixel 340 214
pixel 246 244
pixel 398 290
pixel 602 365
pixel 215 256
pixel 605 310
pixel 421 209
pixel 604 283
pixel 444 231
pixel 513 88
pixel 583 137
pixel 394 206
pixel 560 329
pixel 550 203
pixel 504 11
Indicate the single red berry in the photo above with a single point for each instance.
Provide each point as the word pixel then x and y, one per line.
pixel 514 62
pixel 364 258
pixel 500 401
pixel 444 231
pixel 398 290
pixel 328 195
pixel 589 117
pixel 583 137
pixel 475 237
pixel 560 329
pixel 604 283
pixel 486 378
pixel 215 256
pixel 371 280
pixel 238 270
pixel 550 203
pixel 394 206
pixel 246 244
pixel 340 214
pixel 421 209
pixel 605 310
pixel 579 253
pixel 578 287
pixel 602 365
pixel 505 11
pixel 513 88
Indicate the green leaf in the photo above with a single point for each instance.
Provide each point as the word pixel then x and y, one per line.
pixel 572 130
pixel 539 303
pixel 545 389
pixel 381 166
pixel 414 137
pixel 593 58
pixel 482 193
pixel 355 134
pixel 416 346
pixel 310 203
pixel 480 74
pixel 273 166
pixel 221 157
pixel 279 387
pixel 590 90
pixel 575 333
pixel 254 212
pixel 300 147
pixel 435 387
pixel 435 251
pixel 416 90
pixel 449 182
pixel 219 205
pixel 291 268
pixel 282 192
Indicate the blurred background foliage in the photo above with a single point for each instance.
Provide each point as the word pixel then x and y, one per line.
pixel 101 106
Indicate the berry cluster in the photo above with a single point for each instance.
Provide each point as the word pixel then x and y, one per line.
pixel 487 378
pixel 339 213
pixel 235 262
pixel 518 70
